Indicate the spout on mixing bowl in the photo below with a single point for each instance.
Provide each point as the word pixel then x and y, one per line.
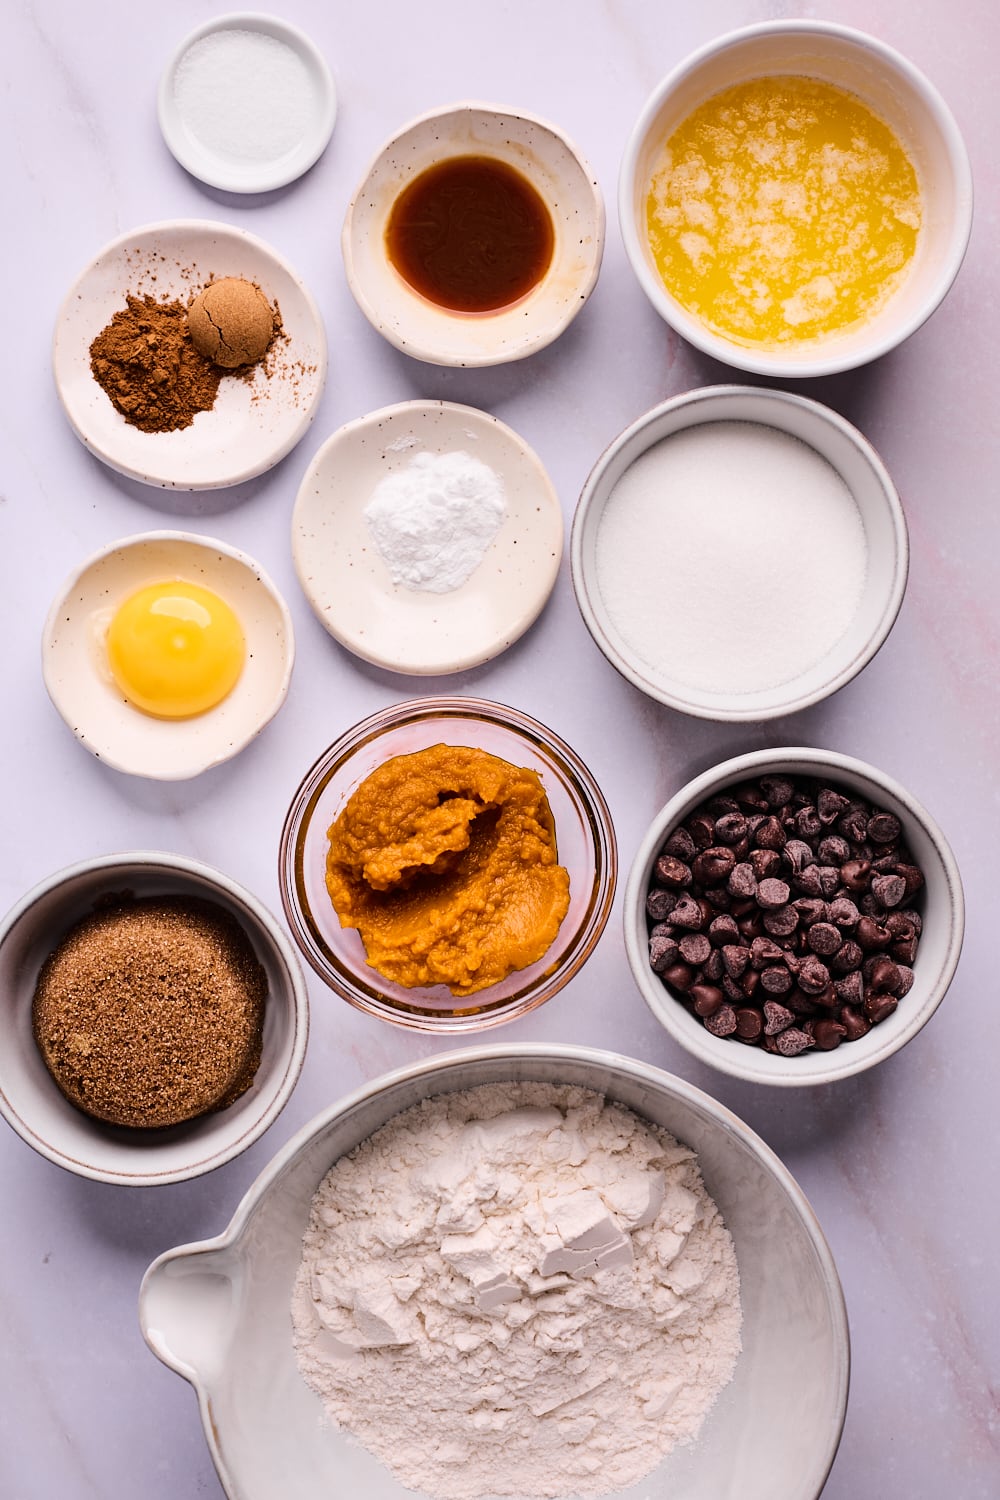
pixel 187 1304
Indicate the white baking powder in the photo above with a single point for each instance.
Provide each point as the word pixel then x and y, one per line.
pixel 731 557
pixel 245 95
pixel 433 520
pixel 517 1290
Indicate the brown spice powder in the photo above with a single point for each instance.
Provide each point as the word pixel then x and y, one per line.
pixel 146 364
pixel 150 1012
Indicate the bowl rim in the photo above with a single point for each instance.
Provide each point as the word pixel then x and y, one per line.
pixel 473 359
pixel 394 716
pixel 761 362
pixel 197 160
pixel 296 1000
pixel 456 411
pixel 753 1064
pixel 584 585
pixel 439 1067
pixel 208 544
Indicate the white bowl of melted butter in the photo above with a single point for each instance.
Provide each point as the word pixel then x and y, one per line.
pixel 795 198
pixel 166 653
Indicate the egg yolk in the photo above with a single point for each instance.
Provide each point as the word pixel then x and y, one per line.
pixel 175 649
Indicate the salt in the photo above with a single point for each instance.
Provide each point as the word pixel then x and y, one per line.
pixel 433 520
pixel 245 95
pixel 731 557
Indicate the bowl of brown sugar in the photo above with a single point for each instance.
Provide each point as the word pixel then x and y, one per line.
pixel 156 1018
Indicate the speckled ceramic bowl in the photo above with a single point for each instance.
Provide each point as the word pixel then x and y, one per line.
pixel 565 182
pixel 943 914
pixel 218 1312
pixel 29 1098
pixel 585 845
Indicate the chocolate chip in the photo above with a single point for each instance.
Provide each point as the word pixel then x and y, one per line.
pixel 713 866
pixel 723 930
pixel 772 893
pixel 878 1007
pixel 843 912
pixel 695 948
pixel 828 1034
pixel 730 828
pixel 770 835
pixel 776 1017
pixel 830 805
pixel 850 990
pixel 687 913
pixel 797 855
pixel 681 845
pixel 712 968
pixel 721 1022
pixel 824 938
pixel 671 872
pixel 706 998
pixel 742 882
pixel 854 874
pixel 777 789
pixel 749 1023
pixel 855 1025
pixel 793 1041
pixel 781 922
pixel 679 976
pixel 764 862
pixel 660 903
pixel 833 850
pixel 735 957
pixel 889 890
pixel 870 935
pixel 662 949
pixel 807 822
pixel 810 909
pixel 884 828
pixel 847 958
pixel 813 976
pixel 776 980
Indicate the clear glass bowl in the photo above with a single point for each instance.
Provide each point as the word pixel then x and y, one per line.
pixel 584 836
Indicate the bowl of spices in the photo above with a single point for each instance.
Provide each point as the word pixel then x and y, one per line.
pixel 739 553
pixel 167 653
pixel 795 198
pixel 427 537
pixel 475 236
pixel 525 1271
pixel 155 1020
pixel 448 864
pixel 189 355
pixel 793 916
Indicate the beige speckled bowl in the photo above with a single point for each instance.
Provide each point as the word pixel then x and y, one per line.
pixel 552 164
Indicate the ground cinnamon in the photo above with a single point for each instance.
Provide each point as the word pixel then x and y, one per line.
pixel 151 372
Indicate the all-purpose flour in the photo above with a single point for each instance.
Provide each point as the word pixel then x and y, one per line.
pixel 517 1290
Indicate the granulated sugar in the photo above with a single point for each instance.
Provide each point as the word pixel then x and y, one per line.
pixel 245 95
pixel 731 557
pixel 520 1290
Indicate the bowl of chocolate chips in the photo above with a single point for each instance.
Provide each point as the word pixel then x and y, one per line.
pixel 793 916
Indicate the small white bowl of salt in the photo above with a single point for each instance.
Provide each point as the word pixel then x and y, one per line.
pixel 427 537
pixel 739 553
pixel 247 103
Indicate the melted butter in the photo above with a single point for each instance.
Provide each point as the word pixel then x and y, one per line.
pixel 783 210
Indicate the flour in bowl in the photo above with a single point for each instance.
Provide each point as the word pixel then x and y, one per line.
pixel 519 1289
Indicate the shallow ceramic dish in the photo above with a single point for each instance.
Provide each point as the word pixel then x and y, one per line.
pixel 235 151
pixel 79 680
pixel 349 585
pixel 565 182
pixel 253 423
pixel 942 904
pixel 30 1100
pixel 584 836
pixel 864 474
pixel 898 94
pixel 218 1312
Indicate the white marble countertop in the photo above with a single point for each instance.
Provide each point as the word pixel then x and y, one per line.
pixel 900 1163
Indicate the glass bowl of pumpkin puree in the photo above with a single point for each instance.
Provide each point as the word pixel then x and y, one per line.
pixel 448 864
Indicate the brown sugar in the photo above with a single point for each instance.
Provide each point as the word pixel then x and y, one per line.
pixel 231 322
pixel 150 1012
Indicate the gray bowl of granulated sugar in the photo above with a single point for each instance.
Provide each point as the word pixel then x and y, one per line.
pixel 739 553
pixel 220 1312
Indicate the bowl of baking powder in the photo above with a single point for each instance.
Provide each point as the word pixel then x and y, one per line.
pixel 532 1271
pixel 739 553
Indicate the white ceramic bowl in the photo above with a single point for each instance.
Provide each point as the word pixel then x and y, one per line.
pixel 80 684
pixel 898 93
pixel 29 1099
pixel 288 87
pixel 348 583
pixel 559 174
pixel 218 1312
pixel 942 904
pixel 858 465
pixel 253 423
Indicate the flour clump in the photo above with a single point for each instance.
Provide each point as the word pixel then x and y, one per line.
pixel 433 521
pixel 519 1289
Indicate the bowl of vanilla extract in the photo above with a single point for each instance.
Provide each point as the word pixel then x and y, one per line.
pixel 475 236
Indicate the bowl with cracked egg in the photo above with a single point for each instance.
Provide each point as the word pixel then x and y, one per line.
pixel 603 1405
pixel 448 864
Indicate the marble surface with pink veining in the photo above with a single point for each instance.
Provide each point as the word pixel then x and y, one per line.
pixel 900 1164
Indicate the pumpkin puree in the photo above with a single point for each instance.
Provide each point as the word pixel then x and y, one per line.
pixel 445 862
